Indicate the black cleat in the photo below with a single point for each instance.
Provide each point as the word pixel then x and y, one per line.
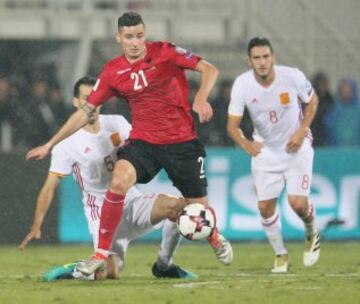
pixel 173 272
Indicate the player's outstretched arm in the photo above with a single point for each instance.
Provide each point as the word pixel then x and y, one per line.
pixel 209 74
pixel 253 148
pixel 296 140
pixel 75 122
pixel 44 200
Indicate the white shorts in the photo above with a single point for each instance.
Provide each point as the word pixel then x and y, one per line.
pixel 272 170
pixel 135 221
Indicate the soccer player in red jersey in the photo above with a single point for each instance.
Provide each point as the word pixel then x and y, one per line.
pixel 151 77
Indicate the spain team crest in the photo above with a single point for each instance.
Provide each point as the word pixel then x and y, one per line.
pixel 284 98
pixel 115 139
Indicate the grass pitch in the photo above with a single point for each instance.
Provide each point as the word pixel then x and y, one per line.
pixel 335 279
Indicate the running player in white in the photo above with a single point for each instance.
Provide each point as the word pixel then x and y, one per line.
pixel 282 105
pixel 90 154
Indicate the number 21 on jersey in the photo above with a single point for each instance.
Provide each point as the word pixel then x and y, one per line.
pixel 140 80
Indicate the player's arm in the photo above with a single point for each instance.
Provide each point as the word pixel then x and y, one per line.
pixel 75 122
pixel 209 74
pixel 298 137
pixel 44 200
pixel 253 148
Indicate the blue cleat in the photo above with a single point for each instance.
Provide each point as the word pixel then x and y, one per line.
pixel 173 272
pixel 62 272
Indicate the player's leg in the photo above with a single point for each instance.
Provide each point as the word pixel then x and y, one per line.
pixel 268 188
pixel 92 206
pixel 135 164
pixel 164 267
pixel 298 179
pixel 92 209
pixel 304 209
pixel 145 213
pixel 271 223
pixel 185 166
pixel 123 177
pixel 221 246
pixel 168 207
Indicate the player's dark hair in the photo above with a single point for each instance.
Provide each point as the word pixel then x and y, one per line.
pixel 259 41
pixel 87 80
pixel 129 19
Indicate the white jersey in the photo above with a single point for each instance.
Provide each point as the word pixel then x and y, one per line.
pixel 276 110
pixel 91 156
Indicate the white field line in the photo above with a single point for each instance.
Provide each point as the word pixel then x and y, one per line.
pixel 201 284
pixel 294 275
pixel 246 276
pixel 196 284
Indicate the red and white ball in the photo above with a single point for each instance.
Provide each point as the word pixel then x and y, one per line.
pixel 196 222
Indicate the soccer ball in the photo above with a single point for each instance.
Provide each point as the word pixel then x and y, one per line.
pixel 196 222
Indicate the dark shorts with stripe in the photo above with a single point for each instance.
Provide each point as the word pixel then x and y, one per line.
pixel 183 163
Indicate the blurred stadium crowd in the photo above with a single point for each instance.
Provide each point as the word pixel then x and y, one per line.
pixel 32 107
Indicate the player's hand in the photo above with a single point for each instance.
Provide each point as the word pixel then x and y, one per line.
pixel 34 234
pixel 204 109
pixel 38 152
pixel 295 141
pixel 253 148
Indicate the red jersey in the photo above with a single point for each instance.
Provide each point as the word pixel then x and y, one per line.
pixel 156 89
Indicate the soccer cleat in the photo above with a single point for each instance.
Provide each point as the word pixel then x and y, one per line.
pixel 62 272
pixel 173 272
pixel 96 262
pixel 224 251
pixel 281 264
pixel 312 250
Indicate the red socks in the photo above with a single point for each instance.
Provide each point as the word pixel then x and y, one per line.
pixel 111 214
pixel 213 239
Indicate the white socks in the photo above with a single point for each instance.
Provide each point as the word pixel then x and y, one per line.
pixel 272 227
pixel 170 240
pixel 309 221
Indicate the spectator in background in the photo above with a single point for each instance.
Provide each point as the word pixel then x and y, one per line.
pixel 135 5
pixel 42 121
pixel 219 126
pixel 4 97
pixel 57 105
pixel 326 102
pixel 342 121
pixel 11 110
pixel 5 109
pixel 218 132
pixel 116 106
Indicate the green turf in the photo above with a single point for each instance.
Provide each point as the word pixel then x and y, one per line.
pixel 335 279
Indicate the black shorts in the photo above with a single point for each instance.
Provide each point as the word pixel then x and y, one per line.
pixel 183 163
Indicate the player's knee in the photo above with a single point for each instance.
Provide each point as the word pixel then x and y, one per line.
pixel 266 211
pixel 122 179
pixel 119 184
pixel 267 207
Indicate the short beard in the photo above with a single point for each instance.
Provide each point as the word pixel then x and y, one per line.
pixel 265 77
